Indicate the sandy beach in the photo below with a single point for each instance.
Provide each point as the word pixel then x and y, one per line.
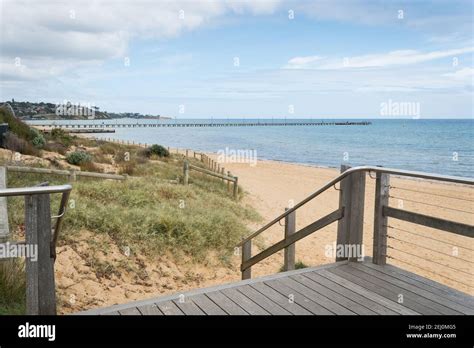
pixel 445 257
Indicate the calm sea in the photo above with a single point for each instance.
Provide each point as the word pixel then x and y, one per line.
pixel 437 146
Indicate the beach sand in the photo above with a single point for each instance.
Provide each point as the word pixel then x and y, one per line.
pixel 442 256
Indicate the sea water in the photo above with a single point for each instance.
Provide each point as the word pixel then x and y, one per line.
pixel 435 146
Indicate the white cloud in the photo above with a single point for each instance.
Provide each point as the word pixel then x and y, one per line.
pixel 465 74
pixel 400 57
pixel 298 61
pixel 86 30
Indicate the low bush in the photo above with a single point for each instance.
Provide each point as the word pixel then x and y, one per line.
pixel 60 136
pixel 78 157
pixel 56 147
pixel 14 143
pixel 89 166
pixel 159 150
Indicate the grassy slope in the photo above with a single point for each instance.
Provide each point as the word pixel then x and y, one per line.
pixel 145 213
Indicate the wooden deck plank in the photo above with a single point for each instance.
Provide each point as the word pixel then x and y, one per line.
pixel 207 290
pixel 382 300
pixel 425 283
pixel 243 301
pixel 130 311
pixel 267 304
pixel 338 288
pixel 342 300
pixel 374 306
pixel 188 307
pixel 410 300
pixel 169 308
pixel 316 296
pixel 280 299
pixel 225 303
pixel 149 310
pixel 455 308
pixel 207 306
pixel 303 301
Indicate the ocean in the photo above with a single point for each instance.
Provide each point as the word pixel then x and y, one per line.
pixel 436 146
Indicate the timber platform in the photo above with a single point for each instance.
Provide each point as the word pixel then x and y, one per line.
pixel 340 288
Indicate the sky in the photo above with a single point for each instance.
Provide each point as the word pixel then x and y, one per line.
pixel 242 59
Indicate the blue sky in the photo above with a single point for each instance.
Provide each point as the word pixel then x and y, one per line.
pixel 333 59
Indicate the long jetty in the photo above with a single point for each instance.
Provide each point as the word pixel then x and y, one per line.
pixel 103 125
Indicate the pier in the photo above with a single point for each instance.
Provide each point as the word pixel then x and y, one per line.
pixel 104 125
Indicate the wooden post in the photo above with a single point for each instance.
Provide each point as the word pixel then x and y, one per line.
pixel 289 252
pixel 246 255
pixel 382 187
pixel 344 201
pixel 40 287
pixel 4 228
pixel 186 172
pixel 356 219
pixel 236 187
pixel 223 172
pixel 72 176
pixel 228 181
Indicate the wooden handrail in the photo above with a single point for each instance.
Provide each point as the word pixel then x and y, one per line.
pixel 430 221
pixel 291 239
pixel 351 211
pixel 367 169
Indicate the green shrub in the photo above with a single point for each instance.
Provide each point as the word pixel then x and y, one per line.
pixel 78 157
pixel 38 141
pixel 60 136
pixel 159 151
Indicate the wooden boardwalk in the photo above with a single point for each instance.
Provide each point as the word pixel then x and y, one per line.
pixel 342 288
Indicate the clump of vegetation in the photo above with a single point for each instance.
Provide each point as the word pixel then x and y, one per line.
pixel 16 144
pixel 89 166
pixel 157 150
pixel 78 158
pixel 38 140
pixel 12 287
pixel 298 265
pixel 58 135
pixel 16 126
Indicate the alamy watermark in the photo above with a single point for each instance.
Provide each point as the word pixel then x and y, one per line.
pixel 393 108
pixel 228 155
pixel 66 108
pixel 12 250
pixel 344 250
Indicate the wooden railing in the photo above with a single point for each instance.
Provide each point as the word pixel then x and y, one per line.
pixel 350 217
pixel 72 174
pixel 40 284
pixel 230 179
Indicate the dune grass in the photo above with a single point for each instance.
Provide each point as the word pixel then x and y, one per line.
pixel 146 214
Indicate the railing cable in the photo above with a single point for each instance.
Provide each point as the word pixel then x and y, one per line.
pixel 432 194
pixel 438 263
pixel 427 270
pixel 436 239
pixel 433 250
pixel 431 205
